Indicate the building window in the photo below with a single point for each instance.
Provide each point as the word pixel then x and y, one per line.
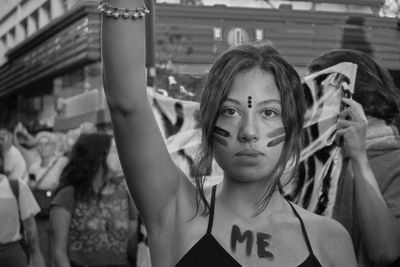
pixel 12 33
pixel 3 45
pixel 237 36
pixel 24 28
pixel 35 19
pixel 68 4
pixel 46 11
pixel 217 34
pixel 259 35
pixel 11 38
pixel 3 40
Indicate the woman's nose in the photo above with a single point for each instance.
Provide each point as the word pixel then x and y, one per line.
pixel 249 131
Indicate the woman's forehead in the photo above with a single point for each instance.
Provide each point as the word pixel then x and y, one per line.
pixel 257 84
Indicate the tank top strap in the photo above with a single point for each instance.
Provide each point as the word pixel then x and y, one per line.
pixel 211 215
pixel 303 229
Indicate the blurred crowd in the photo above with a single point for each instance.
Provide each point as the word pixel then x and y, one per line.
pixel 72 205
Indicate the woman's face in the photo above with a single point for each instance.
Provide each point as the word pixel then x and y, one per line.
pixel 249 133
pixel 46 147
pixel 5 139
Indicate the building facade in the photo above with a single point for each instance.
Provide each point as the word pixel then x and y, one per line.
pixel 50 49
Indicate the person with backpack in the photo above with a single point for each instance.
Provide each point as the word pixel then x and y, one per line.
pixel 44 177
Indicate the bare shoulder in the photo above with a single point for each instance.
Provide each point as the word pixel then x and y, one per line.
pixel 322 225
pixel 329 239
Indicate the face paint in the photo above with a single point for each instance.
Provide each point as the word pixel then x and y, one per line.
pixel 261 240
pixel 276 132
pixel 219 140
pixel 276 141
pixel 249 102
pixel 220 134
pixel 238 237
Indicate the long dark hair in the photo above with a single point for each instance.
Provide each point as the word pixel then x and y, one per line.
pixel 87 156
pixel 374 88
pixel 218 85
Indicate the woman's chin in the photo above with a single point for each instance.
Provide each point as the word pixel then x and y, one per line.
pixel 247 177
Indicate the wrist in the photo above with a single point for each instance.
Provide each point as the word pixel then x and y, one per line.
pixel 110 9
pixel 129 4
pixel 360 160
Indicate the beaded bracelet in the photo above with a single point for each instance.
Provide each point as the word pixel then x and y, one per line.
pixel 116 12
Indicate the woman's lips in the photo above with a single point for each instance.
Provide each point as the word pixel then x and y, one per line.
pixel 251 153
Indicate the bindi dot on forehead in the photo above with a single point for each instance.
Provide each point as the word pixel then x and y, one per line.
pixel 249 101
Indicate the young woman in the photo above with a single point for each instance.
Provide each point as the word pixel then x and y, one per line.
pixel 368 198
pixel 92 216
pixel 44 177
pixel 251 116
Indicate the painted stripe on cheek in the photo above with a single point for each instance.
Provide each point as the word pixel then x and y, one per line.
pixel 220 140
pixel 276 141
pixel 221 132
pixel 276 132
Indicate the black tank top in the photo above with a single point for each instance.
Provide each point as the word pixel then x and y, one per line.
pixel 207 252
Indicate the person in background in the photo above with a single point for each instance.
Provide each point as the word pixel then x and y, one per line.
pixel 26 144
pixel 45 173
pixel 368 197
pixel 14 162
pixel 12 212
pixel 61 144
pixel 252 97
pixel 44 178
pixel 92 215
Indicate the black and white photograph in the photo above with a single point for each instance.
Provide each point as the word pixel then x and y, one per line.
pixel 199 133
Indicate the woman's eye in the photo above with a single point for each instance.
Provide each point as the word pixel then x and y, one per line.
pixel 269 113
pixel 230 112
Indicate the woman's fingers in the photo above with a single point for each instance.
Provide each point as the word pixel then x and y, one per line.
pixel 345 114
pixel 351 128
pixel 340 132
pixel 341 124
pixel 355 110
pixel 351 115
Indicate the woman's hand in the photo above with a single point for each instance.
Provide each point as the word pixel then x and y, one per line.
pixel 352 129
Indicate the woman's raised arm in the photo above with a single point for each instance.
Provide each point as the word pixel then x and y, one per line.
pixel 152 177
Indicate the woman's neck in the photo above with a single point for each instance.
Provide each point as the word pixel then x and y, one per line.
pixel 46 160
pixel 244 199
